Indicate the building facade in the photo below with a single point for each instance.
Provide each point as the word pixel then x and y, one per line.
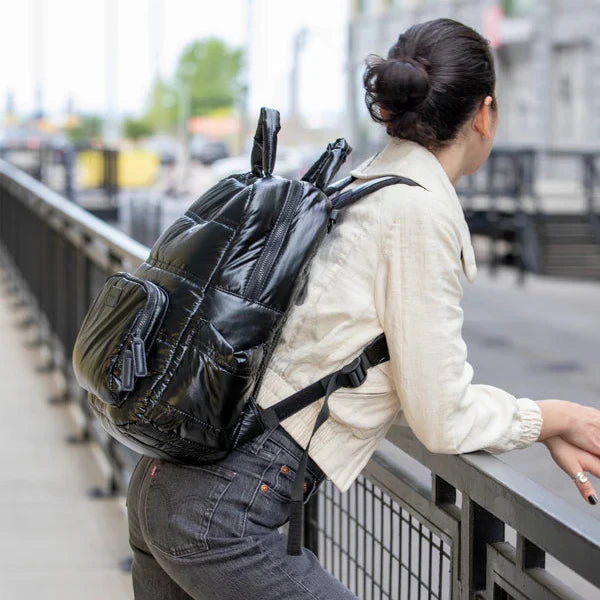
pixel 547 55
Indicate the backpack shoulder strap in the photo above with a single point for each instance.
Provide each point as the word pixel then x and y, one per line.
pixel 349 197
pixel 351 375
pixel 339 185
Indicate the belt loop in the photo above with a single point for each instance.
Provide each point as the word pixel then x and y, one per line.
pixel 258 442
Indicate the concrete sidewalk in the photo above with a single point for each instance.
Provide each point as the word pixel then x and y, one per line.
pixel 56 543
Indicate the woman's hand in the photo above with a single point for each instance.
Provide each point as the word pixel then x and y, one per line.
pixel 575 423
pixel 572 460
pixel 584 430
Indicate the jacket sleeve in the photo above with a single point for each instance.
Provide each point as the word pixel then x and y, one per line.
pixel 422 319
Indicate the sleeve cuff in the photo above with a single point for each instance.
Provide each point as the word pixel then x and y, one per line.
pixel 525 429
pixel 530 417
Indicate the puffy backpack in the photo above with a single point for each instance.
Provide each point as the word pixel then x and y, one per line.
pixel 172 356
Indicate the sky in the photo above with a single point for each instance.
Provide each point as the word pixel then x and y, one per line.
pixel 67 43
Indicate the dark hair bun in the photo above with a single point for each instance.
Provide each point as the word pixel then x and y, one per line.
pixel 433 79
pixel 397 82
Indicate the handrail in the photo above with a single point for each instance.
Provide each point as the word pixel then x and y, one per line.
pixel 68 254
pixel 30 191
pixel 569 535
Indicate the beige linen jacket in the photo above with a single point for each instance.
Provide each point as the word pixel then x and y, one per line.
pixel 392 264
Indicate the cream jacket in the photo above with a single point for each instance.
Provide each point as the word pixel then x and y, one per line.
pixel 392 264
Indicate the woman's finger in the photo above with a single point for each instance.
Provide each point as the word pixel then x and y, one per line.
pixel 589 464
pixel 586 489
pixel 573 460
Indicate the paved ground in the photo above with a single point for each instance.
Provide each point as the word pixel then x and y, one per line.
pixel 56 543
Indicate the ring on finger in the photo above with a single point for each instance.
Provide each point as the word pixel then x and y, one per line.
pixel 581 477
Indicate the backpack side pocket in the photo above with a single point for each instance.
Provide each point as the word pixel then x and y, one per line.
pixel 116 336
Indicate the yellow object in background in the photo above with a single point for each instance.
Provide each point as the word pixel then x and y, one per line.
pixel 89 169
pixel 135 168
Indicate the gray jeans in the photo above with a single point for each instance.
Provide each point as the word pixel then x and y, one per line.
pixel 210 532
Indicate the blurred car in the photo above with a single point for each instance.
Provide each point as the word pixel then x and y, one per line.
pixel 207 151
pixel 165 146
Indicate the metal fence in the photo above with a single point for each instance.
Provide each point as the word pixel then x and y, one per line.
pixel 414 525
pixel 378 548
pixel 62 256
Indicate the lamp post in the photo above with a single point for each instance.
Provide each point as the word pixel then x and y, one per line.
pixel 184 109
pixel 111 123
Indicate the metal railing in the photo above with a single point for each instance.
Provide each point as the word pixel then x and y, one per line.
pixel 413 525
pixel 588 171
pixel 62 256
pixel 458 526
pixel 55 166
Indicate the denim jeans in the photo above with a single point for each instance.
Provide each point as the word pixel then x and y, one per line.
pixel 210 532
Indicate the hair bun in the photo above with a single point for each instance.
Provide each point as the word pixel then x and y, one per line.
pixel 434 78
pixel 404 82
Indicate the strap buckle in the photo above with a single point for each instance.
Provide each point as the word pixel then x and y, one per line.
pixel 356 371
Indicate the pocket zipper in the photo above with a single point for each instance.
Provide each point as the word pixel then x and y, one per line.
pixel 134 356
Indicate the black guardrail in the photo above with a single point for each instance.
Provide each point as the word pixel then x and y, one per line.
pixel 413 525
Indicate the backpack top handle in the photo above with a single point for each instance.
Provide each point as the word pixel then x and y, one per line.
pixel 328 164
pixel 264 150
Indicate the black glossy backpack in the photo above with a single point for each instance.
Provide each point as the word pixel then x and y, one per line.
pixel 172 356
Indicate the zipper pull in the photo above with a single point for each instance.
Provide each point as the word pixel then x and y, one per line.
pixel 138 348
pixel 127 372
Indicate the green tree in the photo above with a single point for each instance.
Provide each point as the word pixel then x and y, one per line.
pixel 89 127
pixel 211 70
pixel 136 129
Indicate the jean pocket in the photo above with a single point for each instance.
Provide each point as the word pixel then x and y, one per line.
pixel 285 472
pixel 180 503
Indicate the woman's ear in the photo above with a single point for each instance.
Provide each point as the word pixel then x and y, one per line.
pixel 483 119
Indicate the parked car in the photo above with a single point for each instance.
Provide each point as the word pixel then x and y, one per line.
pixel 207 151
pixel 165 146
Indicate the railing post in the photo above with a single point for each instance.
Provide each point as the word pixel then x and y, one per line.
pixel 443 492
pixel 478 529
pixel 528 554
pixel 69 158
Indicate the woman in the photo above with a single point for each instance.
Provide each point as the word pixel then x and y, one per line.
pixel 392 265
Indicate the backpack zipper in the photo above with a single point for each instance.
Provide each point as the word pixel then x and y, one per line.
pixel 275 241
pixel 134 356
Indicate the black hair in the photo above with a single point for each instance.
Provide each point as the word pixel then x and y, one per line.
pixel 433 79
